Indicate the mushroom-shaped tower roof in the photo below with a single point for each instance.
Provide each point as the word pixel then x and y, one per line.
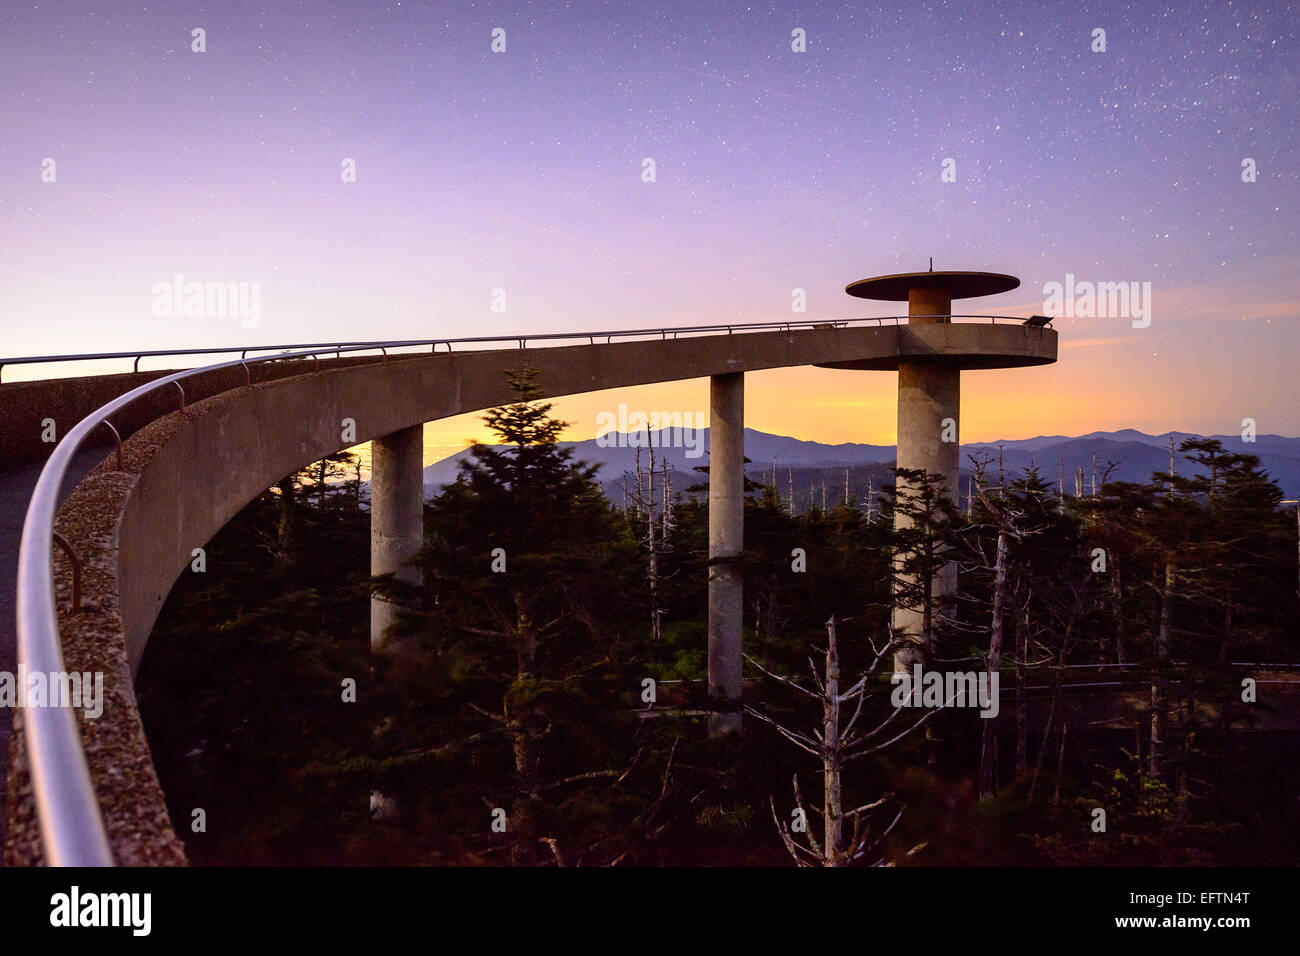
pixel 959 285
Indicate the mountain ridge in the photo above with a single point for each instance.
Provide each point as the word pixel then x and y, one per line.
pixel 1057 457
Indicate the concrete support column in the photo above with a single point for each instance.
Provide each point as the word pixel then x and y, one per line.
pixel 928 305
pixel 726 542
pixel 929 395
pixel 396 517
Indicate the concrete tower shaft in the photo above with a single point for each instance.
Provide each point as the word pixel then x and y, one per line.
pixel 929 417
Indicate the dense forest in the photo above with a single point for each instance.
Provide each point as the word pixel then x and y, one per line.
pixel 544 704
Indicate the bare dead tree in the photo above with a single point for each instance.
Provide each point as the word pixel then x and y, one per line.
pixel 668 516
pixel 989 740
pixel 1011 525
pixel 848 836
pixel 657 511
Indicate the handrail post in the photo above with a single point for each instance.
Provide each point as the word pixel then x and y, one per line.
pixel 62 542
pixel 117 440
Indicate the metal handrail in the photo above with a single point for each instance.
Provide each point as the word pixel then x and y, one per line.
pixel 72 828
pixel 434 343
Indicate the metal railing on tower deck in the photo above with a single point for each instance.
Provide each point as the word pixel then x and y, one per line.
pixel 521 340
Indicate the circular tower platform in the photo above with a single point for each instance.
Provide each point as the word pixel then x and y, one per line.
pixel 931 336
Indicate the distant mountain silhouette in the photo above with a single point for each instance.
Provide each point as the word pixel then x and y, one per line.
pixel 1135 453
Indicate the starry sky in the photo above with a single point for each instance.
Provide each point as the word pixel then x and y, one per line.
pixel 774 170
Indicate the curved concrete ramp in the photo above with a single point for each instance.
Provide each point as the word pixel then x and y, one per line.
pixel 187 474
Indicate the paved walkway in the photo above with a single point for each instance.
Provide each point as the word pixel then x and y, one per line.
pixel 15 490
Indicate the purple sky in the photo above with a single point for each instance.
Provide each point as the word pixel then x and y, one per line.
pixel 523 171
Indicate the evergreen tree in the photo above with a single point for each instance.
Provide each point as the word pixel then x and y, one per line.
pixel 526 562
